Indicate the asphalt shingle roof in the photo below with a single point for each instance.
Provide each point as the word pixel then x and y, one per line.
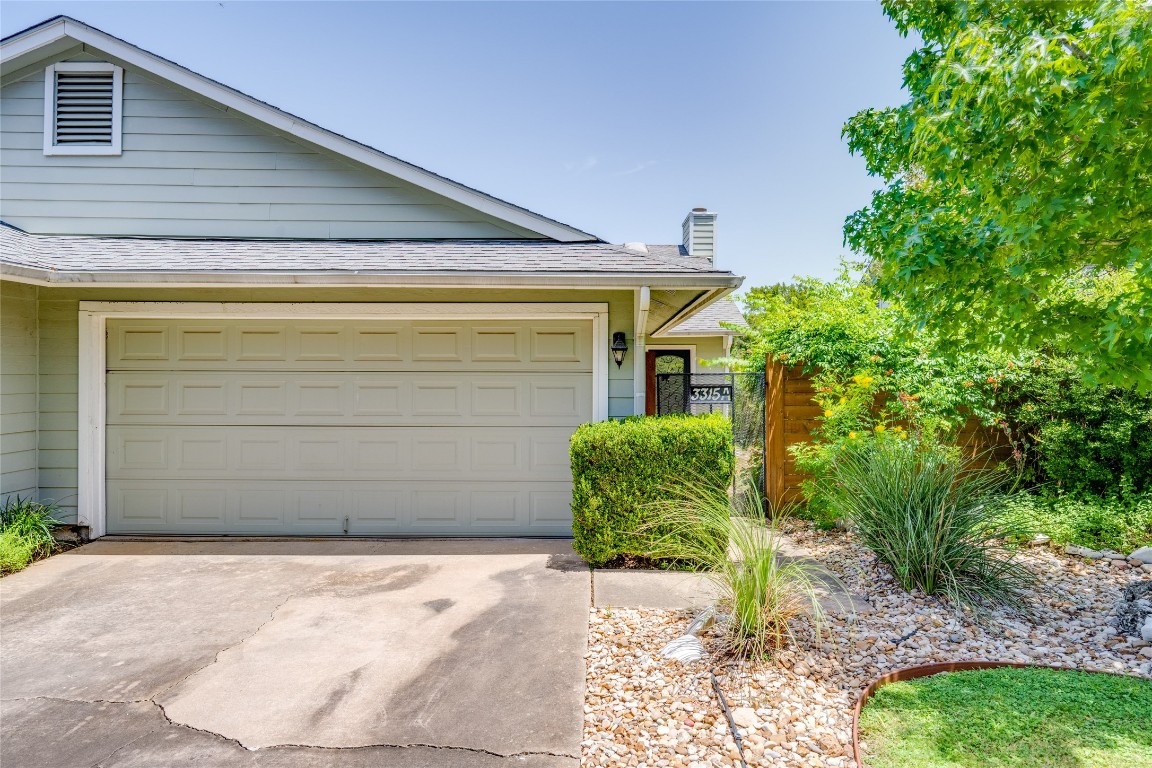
pixel 70 253
pixel 707 321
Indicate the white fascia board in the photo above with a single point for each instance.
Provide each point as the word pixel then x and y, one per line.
pixel 341 280
pixel 294 126
pixel 718 331
pixel 38 42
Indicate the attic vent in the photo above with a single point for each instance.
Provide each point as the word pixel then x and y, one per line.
pixel 82 115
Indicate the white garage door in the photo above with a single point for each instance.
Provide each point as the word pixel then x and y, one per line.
pixel 327 427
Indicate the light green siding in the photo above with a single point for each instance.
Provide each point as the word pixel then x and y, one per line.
pixel 18 390
pixel 707 348
pixel 191 169
pixel 57 367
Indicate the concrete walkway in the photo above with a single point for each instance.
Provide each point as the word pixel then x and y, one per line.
pixel 295 653
pixel 676 590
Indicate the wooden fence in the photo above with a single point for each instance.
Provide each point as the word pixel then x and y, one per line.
pixel 791 416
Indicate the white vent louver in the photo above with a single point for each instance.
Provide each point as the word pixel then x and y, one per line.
pixel 84 108
pixel 83 115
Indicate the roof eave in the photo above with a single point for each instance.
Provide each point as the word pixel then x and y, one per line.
pixel 714 332
pixel 52 36
pixel 582 280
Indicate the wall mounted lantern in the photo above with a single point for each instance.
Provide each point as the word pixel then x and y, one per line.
pixel 619 348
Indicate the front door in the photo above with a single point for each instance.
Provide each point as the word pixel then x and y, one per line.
pixel 672 395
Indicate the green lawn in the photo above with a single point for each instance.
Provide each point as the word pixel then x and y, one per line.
pixel 1032 718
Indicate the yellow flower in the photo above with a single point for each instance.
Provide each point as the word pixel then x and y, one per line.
pixel 880 427
pixel 828 414
pixel 843 400
pixel 851 435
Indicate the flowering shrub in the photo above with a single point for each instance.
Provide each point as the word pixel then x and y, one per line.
pixel 874 382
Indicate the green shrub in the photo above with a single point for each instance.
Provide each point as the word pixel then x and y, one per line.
pixel 1087 440
pixel 733 543
pixel 25 532
pixel 935 518
pixel 16 551
pixel 620 467
pixel 1122 523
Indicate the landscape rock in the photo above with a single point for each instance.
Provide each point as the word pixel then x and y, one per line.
pixel 705 619
pixel 744 717
pixel 1134 610
pixel 1079 551
pixel 684 649
pixel 1144 555
pixel 642 709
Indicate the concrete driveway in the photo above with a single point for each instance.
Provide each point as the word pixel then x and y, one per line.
pixel 295 653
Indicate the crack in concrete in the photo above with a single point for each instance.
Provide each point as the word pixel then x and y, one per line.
pixel 418 745
pixel 216 658
pixel 79 701
pixel 225 649
pixel 174 724
pixel 121 748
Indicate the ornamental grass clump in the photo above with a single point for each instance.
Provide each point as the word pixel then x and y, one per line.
pixel 935 518
pixel 765 596
pixel 25 532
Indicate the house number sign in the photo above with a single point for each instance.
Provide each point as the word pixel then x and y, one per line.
pixel 714 394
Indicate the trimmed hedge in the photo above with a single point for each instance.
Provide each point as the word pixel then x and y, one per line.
pixel 620 466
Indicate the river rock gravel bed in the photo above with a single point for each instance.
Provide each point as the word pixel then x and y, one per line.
pixel 643 710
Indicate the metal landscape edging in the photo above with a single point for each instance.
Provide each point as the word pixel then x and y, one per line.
pixel 927 670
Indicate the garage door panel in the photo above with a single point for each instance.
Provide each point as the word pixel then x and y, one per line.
pixel 253 398
pixel 348 346
pixel 327 427
pixel 495 454
pixel 314 508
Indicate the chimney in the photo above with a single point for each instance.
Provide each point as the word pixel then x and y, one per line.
pixel 700 234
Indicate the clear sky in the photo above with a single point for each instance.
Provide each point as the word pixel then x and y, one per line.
pixel 616 118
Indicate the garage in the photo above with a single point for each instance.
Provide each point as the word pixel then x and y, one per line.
pixel 317 426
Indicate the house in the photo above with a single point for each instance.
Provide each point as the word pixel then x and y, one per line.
pixel 219 318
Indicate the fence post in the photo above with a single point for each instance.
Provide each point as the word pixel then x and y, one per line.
pixel 774 432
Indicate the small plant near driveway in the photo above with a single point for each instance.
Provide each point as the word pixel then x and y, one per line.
pixel 935 518
pixel 25 533
pixel 764 596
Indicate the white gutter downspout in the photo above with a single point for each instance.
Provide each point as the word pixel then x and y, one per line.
pixel 639 358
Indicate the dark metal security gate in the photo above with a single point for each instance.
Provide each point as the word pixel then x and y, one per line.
pixel 740 396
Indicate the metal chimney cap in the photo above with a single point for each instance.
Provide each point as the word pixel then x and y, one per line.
pixel 699 210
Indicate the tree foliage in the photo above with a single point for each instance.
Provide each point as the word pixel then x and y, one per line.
pixel 1017 210
pixel 843 334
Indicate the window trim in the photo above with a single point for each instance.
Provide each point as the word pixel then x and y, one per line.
pixel 50 147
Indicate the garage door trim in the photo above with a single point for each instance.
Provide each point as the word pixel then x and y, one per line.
pixel 93 317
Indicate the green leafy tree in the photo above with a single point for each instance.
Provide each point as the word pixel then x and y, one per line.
pixel 1017 210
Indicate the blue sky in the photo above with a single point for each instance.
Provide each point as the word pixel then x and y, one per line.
pixel 613 117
